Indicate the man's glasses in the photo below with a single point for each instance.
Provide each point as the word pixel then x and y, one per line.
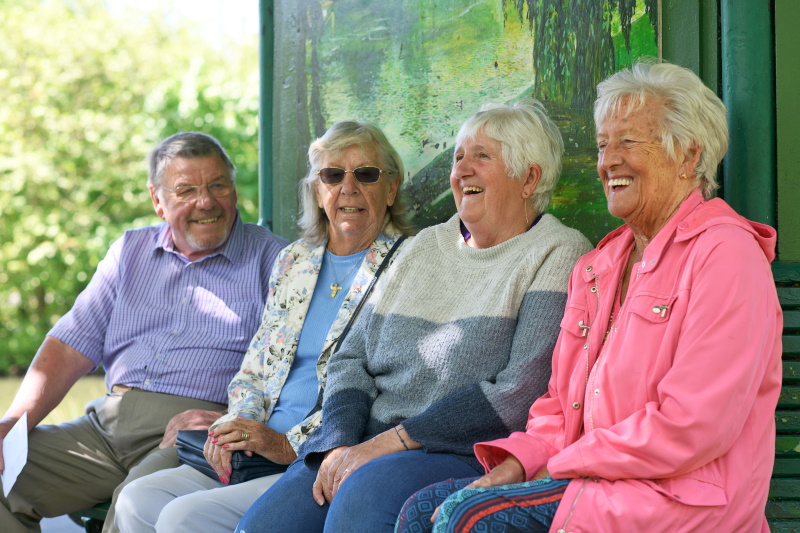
pixel 334 175
pixel 191 193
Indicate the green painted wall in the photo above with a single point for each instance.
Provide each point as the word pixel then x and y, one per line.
pixel 787 75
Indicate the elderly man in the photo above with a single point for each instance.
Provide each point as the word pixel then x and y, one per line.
pixel 169 314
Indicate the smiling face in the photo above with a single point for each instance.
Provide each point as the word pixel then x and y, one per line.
pixel 490 204
pixel 642 185
pixel 355 210
pixel 200 226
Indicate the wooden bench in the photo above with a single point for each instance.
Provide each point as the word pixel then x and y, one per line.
pixel 783 506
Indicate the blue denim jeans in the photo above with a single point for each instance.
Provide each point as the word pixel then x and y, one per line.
pixel 368 501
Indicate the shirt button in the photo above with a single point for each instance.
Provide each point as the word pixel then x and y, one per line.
pixel 174 331
pixel 147 382
pixel 158 356
pixel 576 405
pixel 183 300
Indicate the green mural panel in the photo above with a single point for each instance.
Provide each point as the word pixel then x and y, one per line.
pixel 419 68
pixel 787 75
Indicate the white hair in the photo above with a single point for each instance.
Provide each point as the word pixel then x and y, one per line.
pixel 527 136
pixel 693 115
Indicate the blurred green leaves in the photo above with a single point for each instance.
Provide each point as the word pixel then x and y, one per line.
pixel 84 96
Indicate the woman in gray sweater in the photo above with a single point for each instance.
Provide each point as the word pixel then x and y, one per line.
pixel 452 348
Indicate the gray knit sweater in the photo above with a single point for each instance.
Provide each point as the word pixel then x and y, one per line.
pixel 455 342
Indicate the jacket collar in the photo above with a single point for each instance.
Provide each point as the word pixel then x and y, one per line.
pixel 693 217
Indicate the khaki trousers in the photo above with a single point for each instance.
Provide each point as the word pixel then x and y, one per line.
pixel 78 464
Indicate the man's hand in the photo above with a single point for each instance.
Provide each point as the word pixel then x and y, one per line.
pixel 191 419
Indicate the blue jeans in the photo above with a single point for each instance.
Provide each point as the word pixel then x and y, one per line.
pixel 368 501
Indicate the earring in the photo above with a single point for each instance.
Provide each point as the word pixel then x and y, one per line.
pixel 683 176
pixel 525 208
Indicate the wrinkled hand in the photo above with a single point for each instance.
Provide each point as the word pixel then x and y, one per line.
pixel 227 438
pixel 341 462
pixel 191 419
pixel 508 472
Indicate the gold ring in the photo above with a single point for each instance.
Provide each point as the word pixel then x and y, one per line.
pixel 245 435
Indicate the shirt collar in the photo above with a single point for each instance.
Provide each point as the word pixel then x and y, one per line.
pixel 232 249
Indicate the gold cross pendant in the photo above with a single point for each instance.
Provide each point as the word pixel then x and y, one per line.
pixel 335 287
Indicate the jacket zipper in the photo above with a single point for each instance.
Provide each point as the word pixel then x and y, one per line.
pixel 572 508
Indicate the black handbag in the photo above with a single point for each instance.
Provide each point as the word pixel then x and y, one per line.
pixel 190 445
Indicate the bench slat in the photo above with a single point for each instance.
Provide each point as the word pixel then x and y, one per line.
pixel 791 345
pixel 789 397
pixel 784 489
pixel 791 371
pixel 784 510
pixel 786 467
pixel 789 296
pixel 787 421
pixel 791 320
pixel 779 526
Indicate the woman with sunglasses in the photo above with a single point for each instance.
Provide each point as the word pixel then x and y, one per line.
pixel 458 342
pixel 351 217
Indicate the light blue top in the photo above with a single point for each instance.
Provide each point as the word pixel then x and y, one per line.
pixel 299 393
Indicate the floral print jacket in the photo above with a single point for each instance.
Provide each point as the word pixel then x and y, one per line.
pixel 255 389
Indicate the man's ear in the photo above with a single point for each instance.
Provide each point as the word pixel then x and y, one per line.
pixel 157 205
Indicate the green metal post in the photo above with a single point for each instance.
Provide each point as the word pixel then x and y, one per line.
pixel 748 90
pixel 266 50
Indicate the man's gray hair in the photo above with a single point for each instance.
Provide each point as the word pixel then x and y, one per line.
pixel 527 136
pixel 693 115
pixel 188 144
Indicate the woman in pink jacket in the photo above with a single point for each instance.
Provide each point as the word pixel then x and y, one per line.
pixel 659 413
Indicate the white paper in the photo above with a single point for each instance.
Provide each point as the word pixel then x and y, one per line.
pixel 15 453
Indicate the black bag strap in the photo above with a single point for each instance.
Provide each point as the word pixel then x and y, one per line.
pixel 367 292
pixel 340 340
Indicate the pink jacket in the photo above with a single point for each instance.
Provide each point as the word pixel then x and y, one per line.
pixel 671 427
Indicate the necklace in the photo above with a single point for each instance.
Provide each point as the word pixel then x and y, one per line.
pixel 335 287
pixel 618 293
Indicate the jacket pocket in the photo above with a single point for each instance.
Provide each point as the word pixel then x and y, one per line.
pixel 576 321
pixel 653 308
pixel 691 491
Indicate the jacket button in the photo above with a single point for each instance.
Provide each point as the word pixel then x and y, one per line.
pixel 593 289
pixel 576 405
pixel 589 268
pixel 562 531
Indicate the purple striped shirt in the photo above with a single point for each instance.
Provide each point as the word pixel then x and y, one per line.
pixel 157 321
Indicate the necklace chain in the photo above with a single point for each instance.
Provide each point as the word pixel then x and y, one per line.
pixel 335 286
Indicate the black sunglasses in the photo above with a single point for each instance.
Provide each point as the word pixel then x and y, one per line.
pixel 334 175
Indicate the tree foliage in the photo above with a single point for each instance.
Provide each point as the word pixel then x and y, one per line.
pixel 573 48
pixel 85 97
